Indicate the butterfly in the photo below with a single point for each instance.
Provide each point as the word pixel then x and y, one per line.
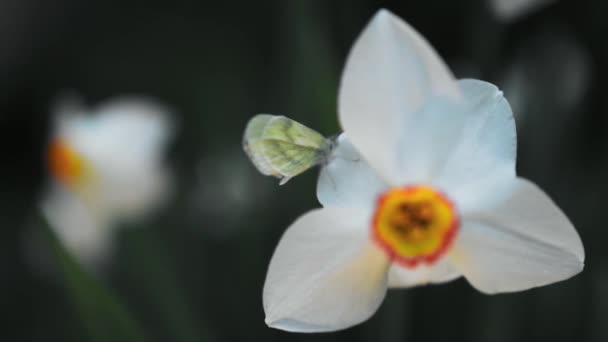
pixel 284 148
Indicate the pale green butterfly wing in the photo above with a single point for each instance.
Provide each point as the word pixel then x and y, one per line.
pixel 289 160
pixel 252 144
pixel 283 148
pixel 284 129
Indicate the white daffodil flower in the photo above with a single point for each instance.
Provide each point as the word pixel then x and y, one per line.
pixel 106 167
pixel 421 189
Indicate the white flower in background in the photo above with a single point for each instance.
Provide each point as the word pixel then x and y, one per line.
pixel 229 203
pixel 106 167
pixel 421 189
pixel 508 10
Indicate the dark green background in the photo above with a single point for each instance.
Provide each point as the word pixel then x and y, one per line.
pixel 195 271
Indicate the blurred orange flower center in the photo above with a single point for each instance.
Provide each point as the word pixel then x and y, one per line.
pixel 414 224
pixel 65 164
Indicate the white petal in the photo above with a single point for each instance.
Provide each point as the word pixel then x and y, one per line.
pixel 428 140
pixel 348 180
pixel 485 152
pixel 325 274
pixel 119 130
pixel 523 242
pixel 390 75
pixel 84 231
pixel 440 272
pixel 129 197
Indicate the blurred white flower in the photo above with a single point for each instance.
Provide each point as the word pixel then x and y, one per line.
pixel 508 10
pixel 227 204
pixel 550 73
pixel 421 189
pixel 106 167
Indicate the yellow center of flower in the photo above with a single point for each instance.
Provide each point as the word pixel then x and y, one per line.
pixel 414 224
pixel 65 164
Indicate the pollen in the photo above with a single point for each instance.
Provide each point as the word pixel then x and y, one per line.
pixel 414 224
pixel 65 164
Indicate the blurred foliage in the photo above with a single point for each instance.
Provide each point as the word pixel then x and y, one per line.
pixel 102 315
pixel 194 272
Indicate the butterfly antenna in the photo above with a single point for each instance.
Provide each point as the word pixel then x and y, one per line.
pixel 334 143
pixel 355 160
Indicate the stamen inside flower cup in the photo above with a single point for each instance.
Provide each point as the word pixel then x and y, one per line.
pixel 65 164
pixel 414 224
